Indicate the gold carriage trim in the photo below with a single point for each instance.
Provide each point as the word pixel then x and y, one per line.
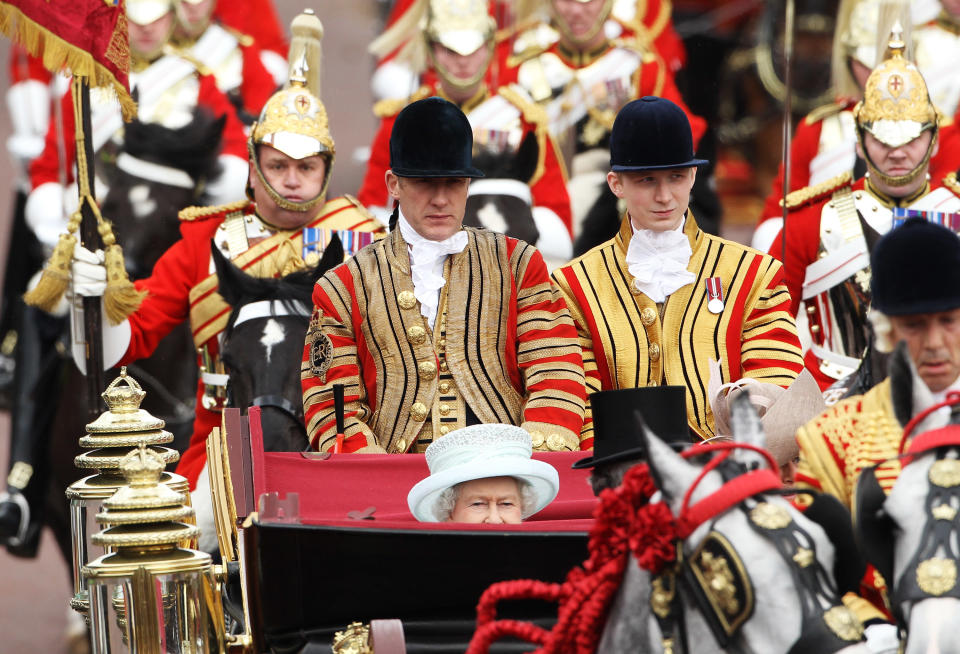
pixel 199 213
pixel 355 639
pixel 723 580
pixel 812 193
pixel 937 576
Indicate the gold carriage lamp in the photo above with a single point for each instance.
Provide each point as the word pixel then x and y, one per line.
pixel 109 438
pixel 147 594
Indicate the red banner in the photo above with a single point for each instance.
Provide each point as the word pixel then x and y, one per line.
pixel 84 37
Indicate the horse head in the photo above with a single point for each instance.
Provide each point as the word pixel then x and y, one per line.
pixel 263 343
pixel 751 571
pixel 159 171
pixel 912 535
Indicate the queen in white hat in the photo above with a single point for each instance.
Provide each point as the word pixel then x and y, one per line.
pixel 483 474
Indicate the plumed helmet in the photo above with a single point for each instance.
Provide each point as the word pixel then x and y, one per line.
pixel 432 138
pixel 463 26
pixel 916 269
pixel 294 120
pixel 651 133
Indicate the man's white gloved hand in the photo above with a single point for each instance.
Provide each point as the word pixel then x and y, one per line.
pixel 882 638
pixel 89 273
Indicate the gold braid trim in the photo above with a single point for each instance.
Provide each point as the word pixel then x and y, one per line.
pixel 58 54
pixel 198 213
pixel 950 181
pixel 392 106
pixel 537 116
pixel 187 56
pixel 811 193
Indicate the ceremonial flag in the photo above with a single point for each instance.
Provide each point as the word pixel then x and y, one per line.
pixel 88 38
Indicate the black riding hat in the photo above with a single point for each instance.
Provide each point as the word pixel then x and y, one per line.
pixel 616 432
pixel 432 138
pixel 916 269
pixel 651 134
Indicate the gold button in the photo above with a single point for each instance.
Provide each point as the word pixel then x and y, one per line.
pixel 416 334
pixel 654 352
pixel 556 443
pixel 648 316
pixel 537 439
pixel 811 309
pixel 443 342
pixel 406 299
pixel 444 430
pixel 444 409
pixel 443 366
pixel 401 445
pixel 427 369
pixel 635 290
pixel 444 387
pixel 418 411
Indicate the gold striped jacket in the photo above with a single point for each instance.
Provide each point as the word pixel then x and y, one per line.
pixel 509 343
pixel 629 341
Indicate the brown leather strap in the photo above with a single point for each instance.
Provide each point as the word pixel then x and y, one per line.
pixel 386 637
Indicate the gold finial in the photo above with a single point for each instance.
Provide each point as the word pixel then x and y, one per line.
pixel 896 46
pixel 142 467
pixel 124 398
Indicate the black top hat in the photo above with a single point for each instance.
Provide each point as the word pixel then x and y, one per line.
pixel 616 432
pixel 651 134
pixel 432 138
pixel 916 269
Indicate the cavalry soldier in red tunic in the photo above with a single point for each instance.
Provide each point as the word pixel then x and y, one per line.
pixel 439 326
pixel 510 131
pixel 831 227
pixel 291 155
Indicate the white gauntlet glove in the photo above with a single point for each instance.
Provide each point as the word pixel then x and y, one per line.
pixel 882 638
pixel 88 272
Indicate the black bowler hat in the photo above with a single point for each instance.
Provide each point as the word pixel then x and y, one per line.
pixel 616 432
pixel 432 138
pixel 651 134
pixel 916 269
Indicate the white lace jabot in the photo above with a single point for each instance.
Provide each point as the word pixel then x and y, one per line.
pixel 426 265
pixel 658 261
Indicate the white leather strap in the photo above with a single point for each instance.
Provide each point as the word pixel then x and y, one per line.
pixel 214 379
pixel 512 187
pixel 270 308
pixel 839 359
pixel 153 172
pixel 823 274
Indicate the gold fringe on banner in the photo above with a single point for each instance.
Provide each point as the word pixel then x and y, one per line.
pixel 58 54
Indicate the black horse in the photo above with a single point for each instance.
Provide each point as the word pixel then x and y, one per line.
pixel 263 344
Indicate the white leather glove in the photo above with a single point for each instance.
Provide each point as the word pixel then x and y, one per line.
pixel 28 103
pixel 88 272
pixel 45 214
pixel 882 638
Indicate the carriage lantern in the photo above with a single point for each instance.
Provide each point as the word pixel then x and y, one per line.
pixel 148 595
pixel 110 437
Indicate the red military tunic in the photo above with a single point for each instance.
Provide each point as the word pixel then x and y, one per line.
pixel 824 253
pixel 106 122
pixel 548 185
pixel 183 286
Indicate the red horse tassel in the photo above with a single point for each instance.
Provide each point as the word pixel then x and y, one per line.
pixel 626 522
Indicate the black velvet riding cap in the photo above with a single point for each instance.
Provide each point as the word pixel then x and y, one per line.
pixel 616 431
pixel 916 269
pixel 651 134
pixel 432 138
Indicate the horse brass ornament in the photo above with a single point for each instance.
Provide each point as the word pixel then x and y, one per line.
pixel 937 576
pixel 844 623
pixel 355 639
pixel 770 516
pixel 716 569
pixel 945 473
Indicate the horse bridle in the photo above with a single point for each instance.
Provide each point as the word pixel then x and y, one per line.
pixel 714 574
pixel 273 309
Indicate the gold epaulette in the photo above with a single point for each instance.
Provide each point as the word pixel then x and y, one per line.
pixel 812 193
pixel 532 112
pixel 359 206
pixel 185 54
pixel 950 181
pixel 243 39
pixel 391 106
pixel 530 52
pixel 825 111
pixel 205 213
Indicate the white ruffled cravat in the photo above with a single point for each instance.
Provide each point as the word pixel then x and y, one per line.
pixel 426 265
pixel 658 261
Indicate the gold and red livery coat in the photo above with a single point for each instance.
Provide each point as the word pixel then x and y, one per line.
pixel 548 185
pixel 629 341
pixel 510 343
pixel 813 229
pixel 183 286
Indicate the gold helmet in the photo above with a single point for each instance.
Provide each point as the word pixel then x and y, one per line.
pixel 463 26
pixel 896 107
pixel 294 120
pixel 596 27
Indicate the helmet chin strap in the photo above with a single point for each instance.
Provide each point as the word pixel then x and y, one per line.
pixel 278 199
pixel 896 180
